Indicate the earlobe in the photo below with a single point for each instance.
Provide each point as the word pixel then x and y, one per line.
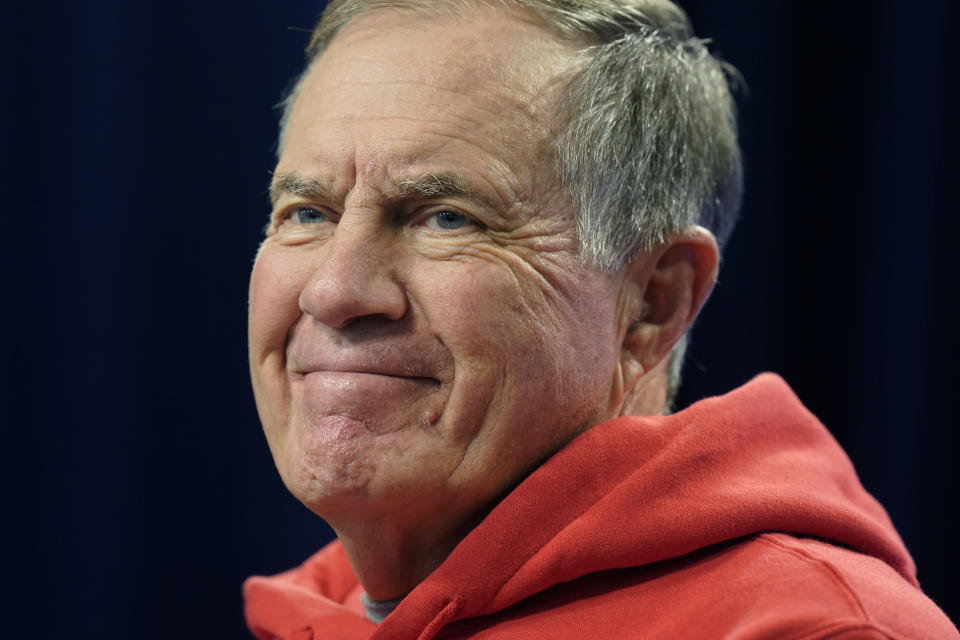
pixel 672 285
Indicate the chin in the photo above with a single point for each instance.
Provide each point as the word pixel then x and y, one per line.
pixel 327 490
pixel 328 467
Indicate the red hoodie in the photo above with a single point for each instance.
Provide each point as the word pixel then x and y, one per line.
pixel 739 517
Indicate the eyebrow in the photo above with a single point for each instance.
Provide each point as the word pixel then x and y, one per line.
pixel 429 185
pixel 295 184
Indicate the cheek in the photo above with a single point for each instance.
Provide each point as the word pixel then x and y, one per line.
pixel 274 293
pixel 275 286
pixel 468 303
pixel 500 319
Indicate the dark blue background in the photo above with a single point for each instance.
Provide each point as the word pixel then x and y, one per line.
pixel 137 141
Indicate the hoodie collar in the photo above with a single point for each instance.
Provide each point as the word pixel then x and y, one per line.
pixel 634 491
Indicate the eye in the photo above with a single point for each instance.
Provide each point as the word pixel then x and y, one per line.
pixel 308 215
pixel 447 220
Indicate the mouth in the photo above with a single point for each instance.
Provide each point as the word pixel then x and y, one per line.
pixel 372 386
pixel 360 373
pixel 412 362
pixel 344 365
pixel 382 402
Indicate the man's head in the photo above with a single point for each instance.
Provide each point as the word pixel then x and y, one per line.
pixel 441 303
pixel 649 138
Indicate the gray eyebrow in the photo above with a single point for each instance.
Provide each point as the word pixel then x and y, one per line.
pixel 429 185
pixel 298 185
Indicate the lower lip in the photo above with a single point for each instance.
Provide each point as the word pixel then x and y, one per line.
pixel 351 393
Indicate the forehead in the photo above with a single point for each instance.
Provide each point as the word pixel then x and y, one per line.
pixel 453 47
pixel 404 91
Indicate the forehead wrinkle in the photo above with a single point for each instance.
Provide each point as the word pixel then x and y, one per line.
pixel 533 103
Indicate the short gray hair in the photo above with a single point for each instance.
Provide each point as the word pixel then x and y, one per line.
pixel 649 146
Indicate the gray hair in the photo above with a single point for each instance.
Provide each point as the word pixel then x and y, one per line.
pixel 649 146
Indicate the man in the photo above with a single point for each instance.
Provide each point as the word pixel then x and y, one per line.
pixel 493 224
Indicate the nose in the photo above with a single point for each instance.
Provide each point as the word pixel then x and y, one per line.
pixel 353 279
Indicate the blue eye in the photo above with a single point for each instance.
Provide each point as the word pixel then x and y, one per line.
pixel 449 219
pixel 306 215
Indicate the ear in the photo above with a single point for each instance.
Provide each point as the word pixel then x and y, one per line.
pixel 670 285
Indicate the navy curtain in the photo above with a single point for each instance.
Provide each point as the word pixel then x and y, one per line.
pixel 137 140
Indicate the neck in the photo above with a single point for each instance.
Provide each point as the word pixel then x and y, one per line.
pixel 390 561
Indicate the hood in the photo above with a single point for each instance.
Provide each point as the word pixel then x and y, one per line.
pixel 627 493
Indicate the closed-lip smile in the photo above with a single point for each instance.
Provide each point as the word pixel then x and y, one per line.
pixel 360 367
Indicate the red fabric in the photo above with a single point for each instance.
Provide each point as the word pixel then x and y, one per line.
pixel 739 517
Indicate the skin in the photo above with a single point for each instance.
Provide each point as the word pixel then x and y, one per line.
pixel 414 355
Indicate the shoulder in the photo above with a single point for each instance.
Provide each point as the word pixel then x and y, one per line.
pixel 861 595
pixel 764 586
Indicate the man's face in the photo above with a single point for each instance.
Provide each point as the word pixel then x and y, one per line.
pixel 423 331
